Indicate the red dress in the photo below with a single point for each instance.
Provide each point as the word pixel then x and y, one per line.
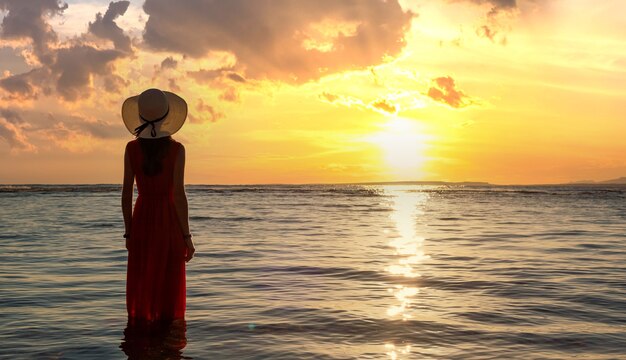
pixel 155 278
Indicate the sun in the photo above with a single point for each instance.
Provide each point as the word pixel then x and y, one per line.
pixel 403 144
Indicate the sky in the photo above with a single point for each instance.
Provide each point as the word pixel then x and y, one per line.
pixel 289 91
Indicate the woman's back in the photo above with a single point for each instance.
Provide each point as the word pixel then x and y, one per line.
pixel 155 287
pixel 161 182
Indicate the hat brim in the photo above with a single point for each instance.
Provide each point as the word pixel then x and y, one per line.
pixel 168 126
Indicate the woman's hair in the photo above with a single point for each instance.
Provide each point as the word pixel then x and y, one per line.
pixel 154 150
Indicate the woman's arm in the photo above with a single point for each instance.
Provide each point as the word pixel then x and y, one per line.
pixel 127 193
pixel 180 200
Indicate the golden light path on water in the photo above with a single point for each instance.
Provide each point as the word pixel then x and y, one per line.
pixel 409 249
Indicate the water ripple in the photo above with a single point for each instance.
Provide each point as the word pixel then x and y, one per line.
pixel 329 272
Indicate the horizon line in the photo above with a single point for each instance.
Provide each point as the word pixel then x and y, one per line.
pixel 398 182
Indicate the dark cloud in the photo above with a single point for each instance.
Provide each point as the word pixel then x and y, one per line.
pixel 445 91
pixel 11 116
pixel 288 40
pixel 12 131
pixel 115 83
pixel 76 66
pixel 26 19
pixel 105 27
pixel 236 77
pixel 169 63
pixel 27 85
pixel 385 106
pixel 69 68
pixel 20 86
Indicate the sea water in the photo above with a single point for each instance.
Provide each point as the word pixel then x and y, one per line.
pixel 328 272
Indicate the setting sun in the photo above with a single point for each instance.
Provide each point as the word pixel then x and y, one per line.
pixel 403 146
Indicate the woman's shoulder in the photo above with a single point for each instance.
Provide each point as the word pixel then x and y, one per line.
pixel 177 144
pixel 132 143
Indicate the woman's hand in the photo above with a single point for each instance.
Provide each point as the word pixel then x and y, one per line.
pixel 190 248
pixel 190 251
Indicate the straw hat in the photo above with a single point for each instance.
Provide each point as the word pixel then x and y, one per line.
pixel 154 114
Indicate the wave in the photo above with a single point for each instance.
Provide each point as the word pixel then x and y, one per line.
pixel 97 188
pixel 610 190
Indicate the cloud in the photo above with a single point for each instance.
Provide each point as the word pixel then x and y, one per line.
pixel 12 131
pixel 115 83
pixel 230 94
pixel 69 68
pixel 207 75
pixel 497 5
pixel 75 133
pixel 388 103
pixel 76 66
pixel 496 25
pixel 444 91
pixel 26 19
pixel 72 140
pixel 384 106
pixel 173 85
pixel 11 116
pixel 206 113
pixel 26 85
pixel 347 101
pixel 106 28
pixel 216 75
pixel 169 63
pixel 95 129
pixel 380 106
pixel 496 28
pixel 287 40
pixel 236 77
pixel 220 78
pixel 328 97
pixel 59 128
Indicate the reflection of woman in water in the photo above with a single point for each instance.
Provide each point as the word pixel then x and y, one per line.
pixel 157 230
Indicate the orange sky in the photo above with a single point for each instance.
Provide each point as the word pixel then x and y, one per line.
pixel 509 92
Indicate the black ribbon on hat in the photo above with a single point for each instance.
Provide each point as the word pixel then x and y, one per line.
pixel 141 127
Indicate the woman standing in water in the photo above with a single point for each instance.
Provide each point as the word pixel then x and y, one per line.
pixel 157 230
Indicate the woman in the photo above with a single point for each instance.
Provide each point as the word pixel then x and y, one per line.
pixel 157 231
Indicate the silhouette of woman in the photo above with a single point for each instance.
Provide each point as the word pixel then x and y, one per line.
pixel 157 230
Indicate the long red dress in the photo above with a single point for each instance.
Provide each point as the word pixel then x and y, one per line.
pixel 155 278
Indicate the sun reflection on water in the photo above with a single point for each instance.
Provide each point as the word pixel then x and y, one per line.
pixel 409 250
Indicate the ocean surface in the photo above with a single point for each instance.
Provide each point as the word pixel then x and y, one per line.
pixel 327 272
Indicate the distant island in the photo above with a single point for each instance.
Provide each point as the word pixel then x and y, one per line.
pixel 619 181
